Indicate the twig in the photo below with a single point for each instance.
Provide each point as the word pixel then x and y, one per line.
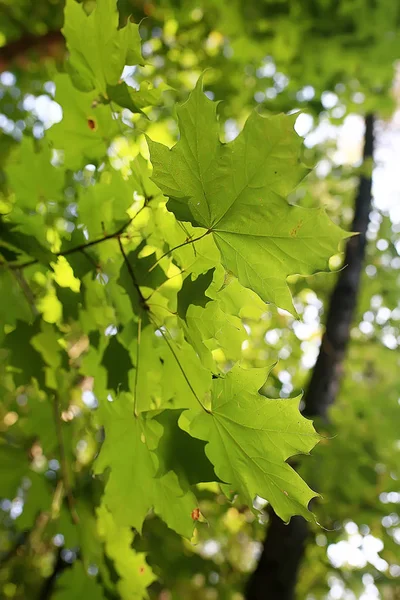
pixel 164 282
pixel 132 276
pixel 80 248
pixel 110 236
pixel 90 259
pixel 186 243
pixel 29 295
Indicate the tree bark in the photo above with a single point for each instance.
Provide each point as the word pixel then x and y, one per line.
pixel 284 546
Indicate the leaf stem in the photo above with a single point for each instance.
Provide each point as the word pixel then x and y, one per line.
pixel 179 365
pixel 163 283
pixel 81 247
pixel 186 243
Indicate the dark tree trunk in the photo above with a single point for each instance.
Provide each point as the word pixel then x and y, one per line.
pixel 325 380
pixel 276 573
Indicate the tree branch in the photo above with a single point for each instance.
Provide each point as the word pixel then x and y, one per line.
pixel 80 248
pixel 325 379
pixel 29 295
pixel 132 276
pixel 284 546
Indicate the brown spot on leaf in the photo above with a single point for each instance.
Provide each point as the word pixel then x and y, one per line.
pixel 196 514
pixel 295 229
pixel 92 124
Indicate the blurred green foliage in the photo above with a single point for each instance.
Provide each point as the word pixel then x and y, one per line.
pixel 329 59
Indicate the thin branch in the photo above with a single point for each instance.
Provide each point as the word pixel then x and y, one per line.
pixel 184 229
pixel 114 118
pixel 110 236
pixel 132 276
pixel 174 314
pixel 186 243
pixel 63 461
pixel 165 282
pixel 80 248
pixel 29 295
pixel 90 259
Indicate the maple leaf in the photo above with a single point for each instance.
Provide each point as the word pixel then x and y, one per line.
pixel 98 50
pixel 250 437
pixel 76 583
pixel 87 127
pixel 117 362
pixel 32 177
pixel 214 328
pixel 135 574
pixel 238 191
pixel 135 99
pixel 132 488
pixel 193 292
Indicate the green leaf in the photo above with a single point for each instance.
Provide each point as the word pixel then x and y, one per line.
pixel 26 234
pixel 128 451
pixel 115 195
pixel 181 453
pixel 135 100
pixel 132 568
pixel 139 271
pixel 188 382
pixel 47 344
pixel 87 127
pixel 147 354
pixel 39 422
pixel 250 437
pixel 117 362
pixel 17 306
pixel 215 328
pixel 38 499
pixel 98 50
pixel 193 292
pixel 14 466
pixel 31 176
pixel 238 191
pixel 26 361
pixel 77 583
pixel 146 272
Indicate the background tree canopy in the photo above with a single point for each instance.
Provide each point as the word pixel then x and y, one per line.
pixel 180 186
